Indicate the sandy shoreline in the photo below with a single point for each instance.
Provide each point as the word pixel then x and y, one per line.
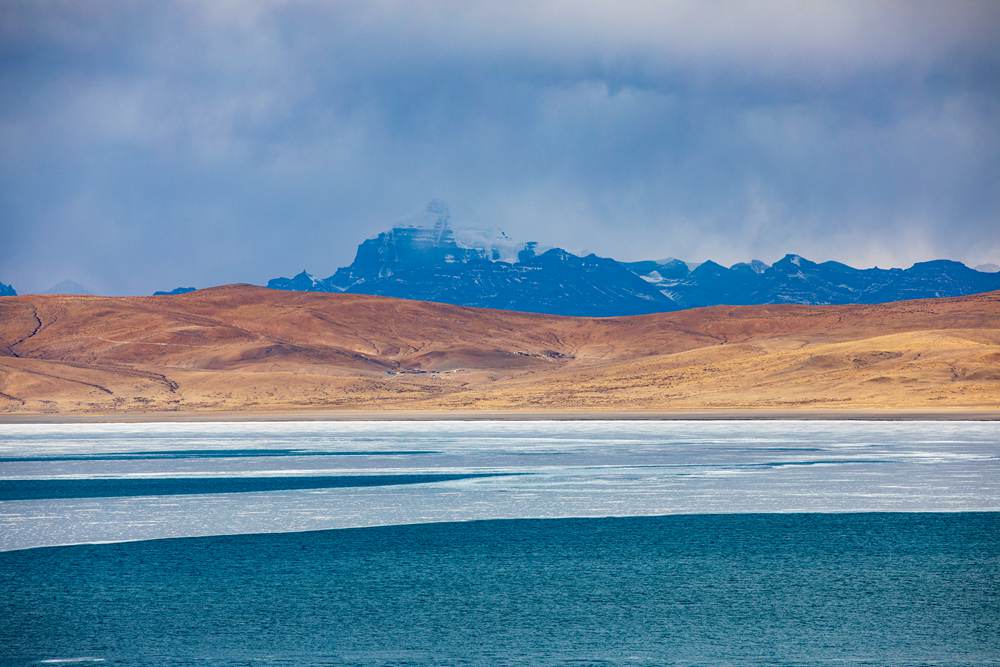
pixel 502 415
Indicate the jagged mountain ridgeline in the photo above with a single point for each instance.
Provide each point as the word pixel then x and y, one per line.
pixel 431 258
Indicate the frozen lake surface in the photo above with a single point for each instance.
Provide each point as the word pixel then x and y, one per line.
pixel 85 483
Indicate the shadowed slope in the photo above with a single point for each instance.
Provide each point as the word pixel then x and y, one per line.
pixel 247 348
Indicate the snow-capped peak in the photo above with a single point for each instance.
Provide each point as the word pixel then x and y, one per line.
pixel 436 226
pixel 495 242
pixel 305 275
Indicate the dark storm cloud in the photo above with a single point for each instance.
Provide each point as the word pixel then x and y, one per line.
pixel 147 145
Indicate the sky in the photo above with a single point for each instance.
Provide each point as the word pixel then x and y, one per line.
pixel 148 145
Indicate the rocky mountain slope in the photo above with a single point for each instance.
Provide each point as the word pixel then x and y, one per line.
pixel 430 258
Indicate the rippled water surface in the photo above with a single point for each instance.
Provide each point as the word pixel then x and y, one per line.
pixel 870 589
pixel 141 481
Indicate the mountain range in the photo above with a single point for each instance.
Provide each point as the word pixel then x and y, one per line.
pixel 64 287
pixel 431 259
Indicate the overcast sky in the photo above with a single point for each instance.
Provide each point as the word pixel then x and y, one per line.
pixel 146 145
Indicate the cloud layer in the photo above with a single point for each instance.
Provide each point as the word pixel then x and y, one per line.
pixel 145 145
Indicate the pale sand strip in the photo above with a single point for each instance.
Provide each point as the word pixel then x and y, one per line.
pixel 501 415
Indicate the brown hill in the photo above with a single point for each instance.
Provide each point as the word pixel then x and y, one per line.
pixel 251 349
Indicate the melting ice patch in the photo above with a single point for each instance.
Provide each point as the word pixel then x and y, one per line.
pixel 590 468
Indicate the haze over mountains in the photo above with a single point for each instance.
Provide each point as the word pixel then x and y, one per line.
pixel 430 258
pixel 62 287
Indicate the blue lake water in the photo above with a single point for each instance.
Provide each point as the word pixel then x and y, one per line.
pixel 749 589
pixel 782 542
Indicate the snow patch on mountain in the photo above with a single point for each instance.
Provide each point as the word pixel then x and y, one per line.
pixel 494 242
pixel 754 265
pixel 436 227
pixel 431 256
pixel 653 277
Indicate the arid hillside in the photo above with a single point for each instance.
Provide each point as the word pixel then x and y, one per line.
pixel 243 348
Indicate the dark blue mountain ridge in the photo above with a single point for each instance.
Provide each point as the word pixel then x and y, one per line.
pixel 175 291
pixel 7 290
pixel 428 258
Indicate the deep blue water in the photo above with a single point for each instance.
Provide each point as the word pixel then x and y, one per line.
pixel 98 487
pixel 879 588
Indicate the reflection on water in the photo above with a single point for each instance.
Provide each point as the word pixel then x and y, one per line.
pixel 591 468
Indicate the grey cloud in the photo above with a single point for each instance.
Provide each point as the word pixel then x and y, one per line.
pixel 148 144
